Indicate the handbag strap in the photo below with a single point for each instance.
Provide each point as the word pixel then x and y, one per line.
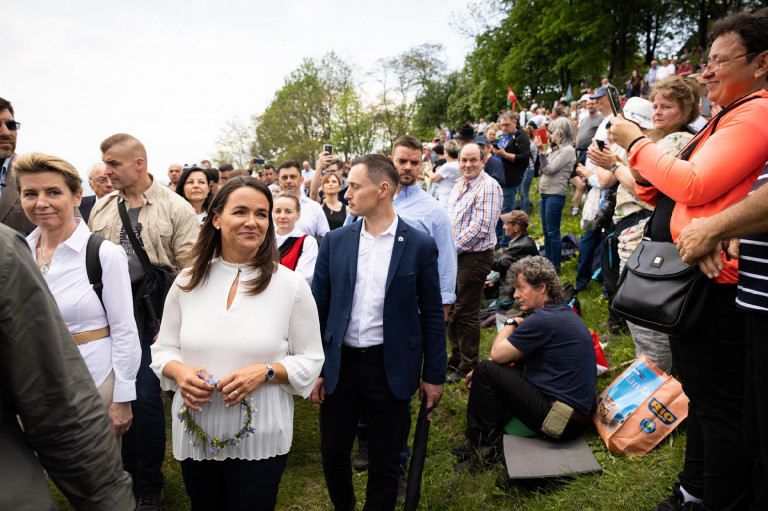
pixel 137 247
pixel 664 204
pixel 93 265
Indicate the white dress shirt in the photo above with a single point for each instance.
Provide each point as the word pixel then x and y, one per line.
pixel 312 220
pixel 306 263
pixel 82 312
pixel 366 320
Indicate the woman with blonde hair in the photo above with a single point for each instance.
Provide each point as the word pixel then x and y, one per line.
pixel 99 315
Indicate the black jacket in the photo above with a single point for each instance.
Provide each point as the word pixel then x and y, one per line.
pixel 520 146
pixel 523 246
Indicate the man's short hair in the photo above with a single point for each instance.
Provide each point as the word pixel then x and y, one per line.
pixel 6 105
pixel 239 173
pixel 269 166
pixel 409 142
pixel 512 116
pixel 94 167
pixel 537 270
pixel 226 167
pixel 287 164
pixel 337 161
pixel 124 138
pixel 213 174
pixel 380 168
pixel 438 149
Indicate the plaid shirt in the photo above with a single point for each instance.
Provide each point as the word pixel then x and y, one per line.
pixel 475 208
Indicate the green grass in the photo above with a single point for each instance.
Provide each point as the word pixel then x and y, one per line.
pixel 626 483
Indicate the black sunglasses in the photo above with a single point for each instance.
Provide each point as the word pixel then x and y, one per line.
pixel 12 125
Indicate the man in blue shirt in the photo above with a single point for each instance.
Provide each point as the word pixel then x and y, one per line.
pixel 551 386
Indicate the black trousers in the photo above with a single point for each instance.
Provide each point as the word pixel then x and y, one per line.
pixel 756 403
pixel 233 484
pixel 500 392
pixel 710 360
pixel 363 388
pixel 144 443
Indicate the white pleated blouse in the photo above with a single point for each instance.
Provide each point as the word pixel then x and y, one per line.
pixel 279 325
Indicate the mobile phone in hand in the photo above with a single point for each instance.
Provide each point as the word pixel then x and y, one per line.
pixel 328 148
pixel 613 97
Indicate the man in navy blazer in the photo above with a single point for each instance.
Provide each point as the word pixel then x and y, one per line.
pixel 377 290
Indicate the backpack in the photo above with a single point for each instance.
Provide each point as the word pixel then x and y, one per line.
pixel 93 265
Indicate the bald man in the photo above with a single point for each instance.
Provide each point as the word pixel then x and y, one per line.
pixel 174 173
pixel 167 227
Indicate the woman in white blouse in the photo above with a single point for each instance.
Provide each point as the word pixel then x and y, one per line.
pixel 298 252
pixel 106 335
pixel 240 336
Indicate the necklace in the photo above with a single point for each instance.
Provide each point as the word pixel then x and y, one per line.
pixel 44 268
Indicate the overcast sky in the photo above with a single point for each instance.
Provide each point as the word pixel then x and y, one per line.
pixel 172 72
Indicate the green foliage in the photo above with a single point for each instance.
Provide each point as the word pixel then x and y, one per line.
pixel 298 120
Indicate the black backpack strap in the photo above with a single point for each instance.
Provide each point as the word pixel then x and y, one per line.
pixel 135 243
pixel 93 265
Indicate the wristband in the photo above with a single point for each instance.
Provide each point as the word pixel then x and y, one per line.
pixel 629 147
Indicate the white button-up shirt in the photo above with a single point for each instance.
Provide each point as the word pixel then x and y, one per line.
pixel 82 312
pixel 366 321
pixel 312 220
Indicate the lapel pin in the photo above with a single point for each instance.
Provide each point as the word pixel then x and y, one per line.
pixel 400 238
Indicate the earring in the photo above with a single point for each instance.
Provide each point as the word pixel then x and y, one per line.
pixel 216 227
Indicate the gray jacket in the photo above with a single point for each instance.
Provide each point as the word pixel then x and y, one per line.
pixel 45 385
pixel 556 170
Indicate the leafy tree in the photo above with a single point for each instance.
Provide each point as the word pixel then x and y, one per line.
pixel 352 125
pixel 297 122
pixel 234 142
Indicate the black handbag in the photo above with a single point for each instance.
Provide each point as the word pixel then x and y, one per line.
pixel 148 295
pixel 657 290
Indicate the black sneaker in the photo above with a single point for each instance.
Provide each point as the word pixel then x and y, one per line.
pixel 463 451
pixel 455 377
pixel 675 502
pixel 150 501
pixel 481 458
pixel 360 461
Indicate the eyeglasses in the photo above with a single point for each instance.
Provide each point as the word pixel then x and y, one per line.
pixel 12 125
pixel 101 180
pixel 714 64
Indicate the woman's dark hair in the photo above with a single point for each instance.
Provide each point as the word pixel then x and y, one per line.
pixel 751 27
pixel 208 244
pixel 183 179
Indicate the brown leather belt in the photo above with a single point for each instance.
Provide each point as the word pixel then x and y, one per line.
pixel 91 335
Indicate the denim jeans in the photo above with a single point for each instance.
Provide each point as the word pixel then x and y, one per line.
pixel 510 195
pixel 590 251
pixel 525 189
pixel 551 215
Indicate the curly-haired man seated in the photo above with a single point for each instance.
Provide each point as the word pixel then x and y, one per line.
pixel 551 385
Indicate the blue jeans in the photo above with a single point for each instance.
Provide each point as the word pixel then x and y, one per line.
pixel 510 195
pixel 525 189
pixel 590 250
pixel 144 442
pixel 551 214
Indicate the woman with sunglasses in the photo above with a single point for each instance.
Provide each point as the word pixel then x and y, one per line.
pixel 715 170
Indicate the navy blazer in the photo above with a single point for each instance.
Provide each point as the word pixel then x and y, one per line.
pixel 414 328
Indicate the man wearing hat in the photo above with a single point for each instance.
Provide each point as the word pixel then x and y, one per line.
pixel 514 148
pixel 589 246
pixel 516 228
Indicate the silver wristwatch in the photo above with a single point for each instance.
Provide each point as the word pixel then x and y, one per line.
pixel 270 373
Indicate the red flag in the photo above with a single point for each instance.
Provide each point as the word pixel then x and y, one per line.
pixel 511 98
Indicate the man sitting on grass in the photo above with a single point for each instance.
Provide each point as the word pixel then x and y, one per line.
pixel 551 386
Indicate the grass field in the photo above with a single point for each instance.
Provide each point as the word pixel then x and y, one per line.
pixel 633 483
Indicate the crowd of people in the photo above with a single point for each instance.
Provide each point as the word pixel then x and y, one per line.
pixel 359 283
